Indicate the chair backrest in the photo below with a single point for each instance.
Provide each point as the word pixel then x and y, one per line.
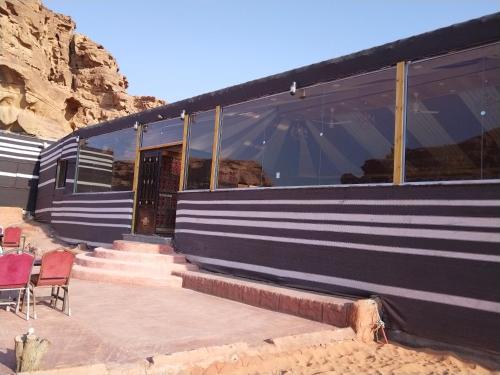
pixel 12 237
pixel 56 264
pixel 15 269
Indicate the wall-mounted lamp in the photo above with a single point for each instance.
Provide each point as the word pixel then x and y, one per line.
pixel 78 138
pixel 183 114
pixel 160 117
pixel 136 125
pixel 293 88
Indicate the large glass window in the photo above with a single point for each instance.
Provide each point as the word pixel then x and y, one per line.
pixel 163 132
pixel 200 141
pixel 106 162
pixel 341 132
pixel 453 116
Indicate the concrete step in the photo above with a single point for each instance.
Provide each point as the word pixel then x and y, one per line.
pixel 140 247
pixel 128 256
pixel 156 269
pixel 121 277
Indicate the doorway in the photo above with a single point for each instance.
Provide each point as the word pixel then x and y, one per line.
pixel 159 174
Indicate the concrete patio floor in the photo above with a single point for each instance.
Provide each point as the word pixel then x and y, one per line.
pixel 124 323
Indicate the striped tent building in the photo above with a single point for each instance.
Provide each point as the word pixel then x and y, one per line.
pixel 375 173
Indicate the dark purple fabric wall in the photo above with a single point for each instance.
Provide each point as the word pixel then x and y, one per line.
pixel 431 252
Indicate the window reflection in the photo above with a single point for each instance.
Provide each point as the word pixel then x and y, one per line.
pixel 453 117
pixel 106 162
pixel 201 136
pixel 162 132
pixel 336 133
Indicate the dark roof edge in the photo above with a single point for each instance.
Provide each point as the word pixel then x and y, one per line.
pixel 458 36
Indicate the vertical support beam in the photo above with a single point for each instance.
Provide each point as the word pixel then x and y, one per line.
pixel 184 153
pixel 137 162
pixel 399 144
pixel 215 149
pixel 77 162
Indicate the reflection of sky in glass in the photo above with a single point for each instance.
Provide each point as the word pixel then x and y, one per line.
pixel 163 132
pixel 121 143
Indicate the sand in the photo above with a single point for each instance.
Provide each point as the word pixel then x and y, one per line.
pixel 344 358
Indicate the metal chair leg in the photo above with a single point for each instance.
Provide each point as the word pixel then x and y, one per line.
pixel 66 301
pixel 57 298
pixel 18 301
pixel 53 297
pixel 27 293
pixel 34 301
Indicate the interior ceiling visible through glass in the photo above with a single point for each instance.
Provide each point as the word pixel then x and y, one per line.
pixel 336 133
pixel 453 116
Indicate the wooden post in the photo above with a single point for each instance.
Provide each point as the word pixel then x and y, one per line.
pixel 399 116
pixel 137 162
pixel 184 152
pixel 30 350
pixel 215 149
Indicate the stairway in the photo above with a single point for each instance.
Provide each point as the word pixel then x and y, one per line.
pixel 131 262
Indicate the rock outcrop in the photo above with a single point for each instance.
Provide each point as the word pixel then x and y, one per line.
pixel 53 80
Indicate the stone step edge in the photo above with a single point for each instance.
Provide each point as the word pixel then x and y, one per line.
pixel 154 268
pixel 150 257
pixel 85 273
pixel 165 259
pixel 135 275
pixel 124 245
pixel 329 310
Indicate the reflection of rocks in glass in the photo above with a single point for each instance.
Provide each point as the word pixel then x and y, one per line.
pixel 448 162
pixel 375 171
pixel 123 175
pixel 199 173
pixel 242 173
pixel 456 161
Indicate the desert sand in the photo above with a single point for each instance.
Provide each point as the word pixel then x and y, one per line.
pixel 344 358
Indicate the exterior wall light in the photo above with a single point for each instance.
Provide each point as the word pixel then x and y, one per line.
pixel 293 88
pixel 183 114
pixel 136 125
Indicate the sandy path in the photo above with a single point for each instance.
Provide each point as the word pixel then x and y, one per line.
pixel 346 358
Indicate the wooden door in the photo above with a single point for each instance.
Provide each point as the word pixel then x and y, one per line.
pixel 147 194
pixel 167 192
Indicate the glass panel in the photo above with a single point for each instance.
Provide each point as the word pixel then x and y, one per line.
pixel 62 166
pixel 106 162
pixel 243 141
pixel 336 133
pixel 201 137
pixel 453 117
pixel 356 132
pixel 163 132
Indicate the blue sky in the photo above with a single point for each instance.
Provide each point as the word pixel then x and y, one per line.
pixel 175 50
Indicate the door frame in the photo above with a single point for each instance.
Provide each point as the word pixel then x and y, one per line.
pixel 137 172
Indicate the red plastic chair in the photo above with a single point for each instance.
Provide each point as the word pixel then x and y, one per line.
pixel 15 272
pixel 55 273
pixel 12 238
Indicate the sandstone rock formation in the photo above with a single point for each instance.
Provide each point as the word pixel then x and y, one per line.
pixel 53 80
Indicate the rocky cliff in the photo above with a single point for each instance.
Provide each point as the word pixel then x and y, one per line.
pixel 53 80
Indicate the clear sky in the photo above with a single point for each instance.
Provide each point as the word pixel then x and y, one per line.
pixel 178 49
